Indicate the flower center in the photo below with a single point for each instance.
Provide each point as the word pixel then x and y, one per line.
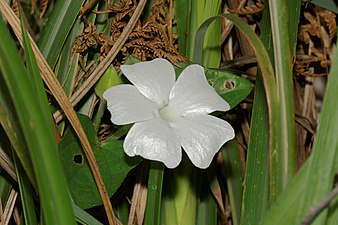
pixel 168 113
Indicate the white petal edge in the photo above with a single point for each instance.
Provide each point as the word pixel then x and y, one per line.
pixel 192 93
pixel 127 105
pixel 154 140
pixel 154 79
pixel 202 136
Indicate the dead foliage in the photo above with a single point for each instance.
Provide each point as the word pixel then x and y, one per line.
pixel 249 9
pixel 42 7
pixel 316 34
pixel 150 38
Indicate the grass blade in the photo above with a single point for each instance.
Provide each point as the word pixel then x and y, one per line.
pixel 321 175
pixel 283 160
pixel 315 179
pixel 212 42
pixel 56 31
pixel 83 217
pixel 26 194
pixel 154 194
pixel 182 10
pixel 257 177
pixel 233 174
pixel 51 182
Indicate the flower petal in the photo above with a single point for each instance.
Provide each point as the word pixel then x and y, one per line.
pixel 154 79
pixel 154 140
pixel 192 93
pixel 127 105
pixel 202 136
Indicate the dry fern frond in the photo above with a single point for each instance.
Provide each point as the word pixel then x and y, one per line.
pixel 249 9
pixel 148 40
pixel 44 4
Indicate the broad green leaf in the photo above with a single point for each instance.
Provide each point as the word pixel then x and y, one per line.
pixel 32 110
pixel 58 26
pixel 113 163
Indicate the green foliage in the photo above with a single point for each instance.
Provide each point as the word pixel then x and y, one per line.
pixel 31 106
pixel 272 193
pixel 114 165
pixel 58 27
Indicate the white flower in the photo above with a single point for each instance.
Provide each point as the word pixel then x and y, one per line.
pixel 169 114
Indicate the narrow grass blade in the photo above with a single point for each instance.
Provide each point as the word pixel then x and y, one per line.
pixel 12 128
pixel 321 175
pixel 182 12
pixel 67 66
pixel 51 182
pixel 265 66
pixel 256 182
pixel 206 205
pixel 315 179
pixel 83 217
pixel 26 194
pixel 294 8
pixel 233 175
pixel 212 42
pixel 154 194
pixel 283 160
pixel 58 26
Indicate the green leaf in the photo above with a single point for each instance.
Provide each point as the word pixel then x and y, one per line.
pixel 283 159
pixel 315 179
pixel 233 174
pixel 256 181
pixel 182 12
pixel 154 193
pixel 36 121
pixel 83 217
pixel 26 194
pixel 327 4
pixel 109 78
pixel 11 125
pixel 212 42
pixel 113 163
pixel 67 66
pixel 58 26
